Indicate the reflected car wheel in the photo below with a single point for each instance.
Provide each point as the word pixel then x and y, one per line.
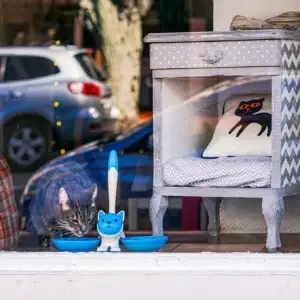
pixel 27 144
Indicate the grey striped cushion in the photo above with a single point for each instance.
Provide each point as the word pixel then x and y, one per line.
pixel 250 171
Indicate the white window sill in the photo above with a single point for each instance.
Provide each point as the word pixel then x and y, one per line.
pixel 128 276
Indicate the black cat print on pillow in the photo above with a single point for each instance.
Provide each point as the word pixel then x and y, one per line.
pixel 248 111
pixel 244 129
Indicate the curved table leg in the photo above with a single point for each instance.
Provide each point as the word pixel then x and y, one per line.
pixel 212 206
pixel 157 210
pixel 273 211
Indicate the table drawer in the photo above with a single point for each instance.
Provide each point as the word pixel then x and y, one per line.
pixel 254 53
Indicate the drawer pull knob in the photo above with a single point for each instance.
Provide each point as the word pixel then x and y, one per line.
pixel 212 57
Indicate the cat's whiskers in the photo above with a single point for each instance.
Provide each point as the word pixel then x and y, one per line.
pixel 62 223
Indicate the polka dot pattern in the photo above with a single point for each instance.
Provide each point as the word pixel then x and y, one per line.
pixel 215 54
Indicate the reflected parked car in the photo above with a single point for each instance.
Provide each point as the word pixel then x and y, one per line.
pixel 50 96
pixel 135 151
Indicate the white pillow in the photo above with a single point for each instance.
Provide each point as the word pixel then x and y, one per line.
pixel 229 138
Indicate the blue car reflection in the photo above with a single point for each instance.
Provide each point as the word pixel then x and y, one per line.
pixel 135 153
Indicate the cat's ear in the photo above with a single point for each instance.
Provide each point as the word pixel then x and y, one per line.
pixel 101 213
pixel 94 196
pixel 63 199
pixel 122 214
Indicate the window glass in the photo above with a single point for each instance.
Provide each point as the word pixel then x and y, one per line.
pixel 12 70
pixel 144 145
pixel 90 67
pixel 209 96
pixel 27 67
pixel 36 66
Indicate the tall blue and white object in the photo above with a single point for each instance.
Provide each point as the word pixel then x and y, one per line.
pixel 110 225
pixel 113 168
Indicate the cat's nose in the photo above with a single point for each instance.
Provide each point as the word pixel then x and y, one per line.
pixel 83 228
pixel 108 222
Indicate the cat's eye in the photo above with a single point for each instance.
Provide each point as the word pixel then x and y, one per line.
pixel 254 105
pixel 74 219
pixel 244 106
pixel 116 220
pixel 103 220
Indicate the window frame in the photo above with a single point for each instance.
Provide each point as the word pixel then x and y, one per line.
pixel 235 273
pixel 3 60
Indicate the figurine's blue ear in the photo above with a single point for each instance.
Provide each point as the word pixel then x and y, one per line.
pixel 101 213
pixel 122 214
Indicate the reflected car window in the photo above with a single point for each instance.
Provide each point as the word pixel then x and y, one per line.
pixel 90 67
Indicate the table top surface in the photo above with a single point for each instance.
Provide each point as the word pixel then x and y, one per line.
pixel 192 242
pixel 215 36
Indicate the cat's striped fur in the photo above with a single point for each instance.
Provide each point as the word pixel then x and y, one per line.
pixel 63 203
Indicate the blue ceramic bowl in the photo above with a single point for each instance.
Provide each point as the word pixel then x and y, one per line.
pixel 144 243
pixel 76 244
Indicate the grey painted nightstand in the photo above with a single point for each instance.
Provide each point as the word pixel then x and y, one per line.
pixel 177 61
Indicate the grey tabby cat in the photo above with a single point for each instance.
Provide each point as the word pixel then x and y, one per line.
pixel 63 205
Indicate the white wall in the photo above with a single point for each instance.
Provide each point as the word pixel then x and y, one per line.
pixel 225 10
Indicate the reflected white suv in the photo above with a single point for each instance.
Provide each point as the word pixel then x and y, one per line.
pixel 51 98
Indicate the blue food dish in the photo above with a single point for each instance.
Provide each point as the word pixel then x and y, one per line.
pixel 76 244
pixel 144 243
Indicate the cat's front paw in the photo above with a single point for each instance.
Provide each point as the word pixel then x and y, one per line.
pixel 44 241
